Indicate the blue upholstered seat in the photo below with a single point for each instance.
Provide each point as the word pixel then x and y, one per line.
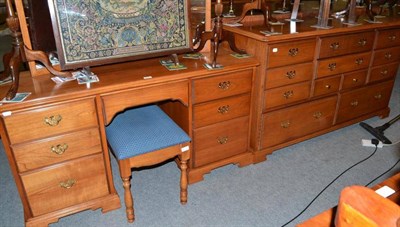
pixel 142 130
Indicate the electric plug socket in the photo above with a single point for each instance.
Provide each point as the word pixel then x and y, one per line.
pixel 368 143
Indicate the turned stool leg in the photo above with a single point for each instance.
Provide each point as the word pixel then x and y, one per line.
pixel 184 180
pixel 128 199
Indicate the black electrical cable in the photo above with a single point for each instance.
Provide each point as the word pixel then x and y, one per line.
pixel 383 173
pixel 373 141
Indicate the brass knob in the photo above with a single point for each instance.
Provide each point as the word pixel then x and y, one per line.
pixel 59 149
pixel 355 80
pixel 53 120
pixel 293 51
pixel 392 37
pixel 354 103
pixel 222 140
pixel 288 94
pixel 223 109
pixel 291 74
pixel 332 66
pixel 285 124
pixel 224 85
pixel 328 86
pixel 388 55
pixel 68 184
pixel 317 115
pixel 362 42
pixel 378 96
pixel 334 46
pixel 384 72
pixel 359 61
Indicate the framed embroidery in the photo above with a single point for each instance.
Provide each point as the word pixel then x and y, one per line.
pixel 95 32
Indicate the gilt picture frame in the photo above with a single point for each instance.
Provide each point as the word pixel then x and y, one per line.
pixel 97 32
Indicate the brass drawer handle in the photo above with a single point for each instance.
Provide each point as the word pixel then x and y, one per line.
pixel 285 124
pixel 288 94
pixel 291 74
pixel 388 55
pixel 53 120
pixel 354 103
pixel 224 85
pixel 293 51
pixel 328 86
pixel 392 37
pixel 332 66
pixel 378 96
pixel 317 115
pixel 359 61
pixel 362 42
pixel 222 140
pixel 68 184
pixel 355 80
pixel 59 149
pixel 223 109
pixel 384 72
pixel 334 46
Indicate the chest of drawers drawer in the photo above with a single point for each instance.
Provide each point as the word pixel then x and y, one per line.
pixel 66 184
pixel 290 53
pixel 388 38
pixel 221 110
pixel 56 149
pixel 383 72
pixel 386 56
pixel 52 120
pixel 286 95
pixel 346 44
pixel 291 123
pixel 291 74
pixel 354 79
pixel 355 103
pixel 222 140
pixel 327 85
pixel 222 86
pixel 337 65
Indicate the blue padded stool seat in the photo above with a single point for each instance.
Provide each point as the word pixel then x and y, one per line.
pixel 142 130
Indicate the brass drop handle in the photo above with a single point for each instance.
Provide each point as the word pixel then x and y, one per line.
pixel 332 66
pixel 224 85
pixel 335 45
pixel 222 140
pixel 53 120
pixel 293 51
pixel 355 80
pixel 59 149
pixel 328 86
pixel 285 124
pixel 388 55
pixel 384 72
pixel 354 103
pixel 291 74
pixel 317 115
pixel 68 184
pixel 288 94
pixel 392 37
pixel 378 96
pixel 362 42
pixel 359 61
pixel 223 109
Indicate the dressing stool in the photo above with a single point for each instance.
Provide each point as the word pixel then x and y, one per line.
pixel 146 136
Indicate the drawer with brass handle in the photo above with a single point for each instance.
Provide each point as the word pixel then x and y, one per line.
pixel 290 123
pixel 221 110
pixel 327 85
pixel 291 74
pixel 354 79
pixel 65 185
pixel 338 65
pixel 286 95
pixel 51 120
pixel 40 153
pixel 388 38
pixel 383 72
pixel 290 53
pixel 219 141
pixel 222 86
pixel 386 56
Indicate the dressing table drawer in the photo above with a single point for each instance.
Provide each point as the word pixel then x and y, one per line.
pixel 383 72
pixel 327 85
pixel 51 120
pixel 221 110
pixel 290 53
pixel 386 56
pixel 348 63
pixel 222 86
pixel 65 185
pixel 354 79
pixel 57 149
pixel 286 95
pixel 388 38
pixel 290 74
